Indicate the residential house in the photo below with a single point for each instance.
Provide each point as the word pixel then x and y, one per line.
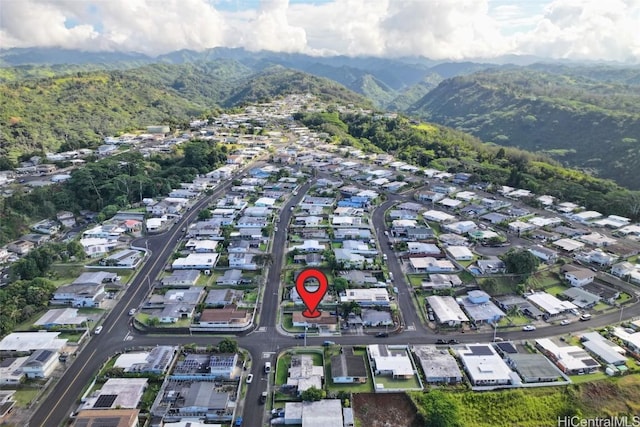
pixel 325 323
pixel 367 297
pixel 181 279
pixel 66 218
pixel 85 291
pixel 491 266
pixel 547 255
pixel 231 277
pixel 128 258
pixel 196 262
pixel 571 359
pixel 223 297
pixel 20 247
pixel 484 366
pixel 41 363
pixel 446 310
pixel 227 318
pixel 348 368
pixel 243 261
pixel 376 318
pixel 46 226
pixel 97 247
pixel 303 374
pixel 391 361
pixel 577 276
pixel 349 259
pixel 431 265
pixel 438 365
pixel 622 269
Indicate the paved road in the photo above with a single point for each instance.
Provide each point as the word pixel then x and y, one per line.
pixel 61 400
pixel 264 342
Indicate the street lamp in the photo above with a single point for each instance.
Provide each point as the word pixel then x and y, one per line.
pixel 621 309
pixel 306 328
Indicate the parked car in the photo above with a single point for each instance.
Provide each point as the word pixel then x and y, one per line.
pixel 97 330
pixel 382 335
pixel 565 322
pixel 249 378
pixel 441 341
pixel 328 343
pixel 132 312
pixel 528 328
pixel 452 341
pixel 263 397
pixel 585 316
pixel 299 336
pixel 238 421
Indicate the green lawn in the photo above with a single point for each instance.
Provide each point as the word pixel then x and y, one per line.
pixel 392 383
pixel 71 336
pixel 250 297
pixel 24 396
pixel 517 320
pixel 287 323
pixel 601 306
pixel 579 379
pixel 624 297
pixel 416 279
pixel 336 245
pixel 556 289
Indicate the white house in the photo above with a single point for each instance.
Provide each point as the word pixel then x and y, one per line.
pixel 579 276
pixel 460 253
pixel 242 261
pixel 40 364
pixel 547 255
pixel 196 262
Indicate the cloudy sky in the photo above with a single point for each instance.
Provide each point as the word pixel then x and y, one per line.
pixel 438 29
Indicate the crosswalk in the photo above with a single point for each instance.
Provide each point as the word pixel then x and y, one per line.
pixel 262 329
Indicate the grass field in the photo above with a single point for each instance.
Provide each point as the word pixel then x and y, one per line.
pixel 24 396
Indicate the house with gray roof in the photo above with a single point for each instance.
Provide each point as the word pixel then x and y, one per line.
pixel 438 365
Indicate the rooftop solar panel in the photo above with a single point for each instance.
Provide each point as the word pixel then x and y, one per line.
pixel 480 350
pixel 105 400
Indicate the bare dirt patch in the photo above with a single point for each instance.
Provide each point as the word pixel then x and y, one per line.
pixel 385 410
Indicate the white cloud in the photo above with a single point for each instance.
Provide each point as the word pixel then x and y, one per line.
pixel 440 29
pixel 586 29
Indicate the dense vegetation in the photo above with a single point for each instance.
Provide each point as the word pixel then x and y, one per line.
pixel 531 407
pixel 109 185
pixel 78 110
pixel 586 117
pixel 443 148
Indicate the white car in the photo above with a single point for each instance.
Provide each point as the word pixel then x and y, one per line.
pixel 132 312
pixel 97 330
pixel 249 378
pixel 565 322
pixel 528 328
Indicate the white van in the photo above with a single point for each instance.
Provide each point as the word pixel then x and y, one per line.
pixel 267 367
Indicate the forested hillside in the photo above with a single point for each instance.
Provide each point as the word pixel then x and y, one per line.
pixel 585 117
pixel 78 110
pixel 443 148
pixel 109 185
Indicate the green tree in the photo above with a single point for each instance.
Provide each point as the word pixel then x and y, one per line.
pixel 228 345
pixel 439 410
pixel 204 214
pixel 520 261
pixel 340 284
pixel 76 249
pixel 312 394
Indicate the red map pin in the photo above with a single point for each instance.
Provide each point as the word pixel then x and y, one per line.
pixel 311 299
